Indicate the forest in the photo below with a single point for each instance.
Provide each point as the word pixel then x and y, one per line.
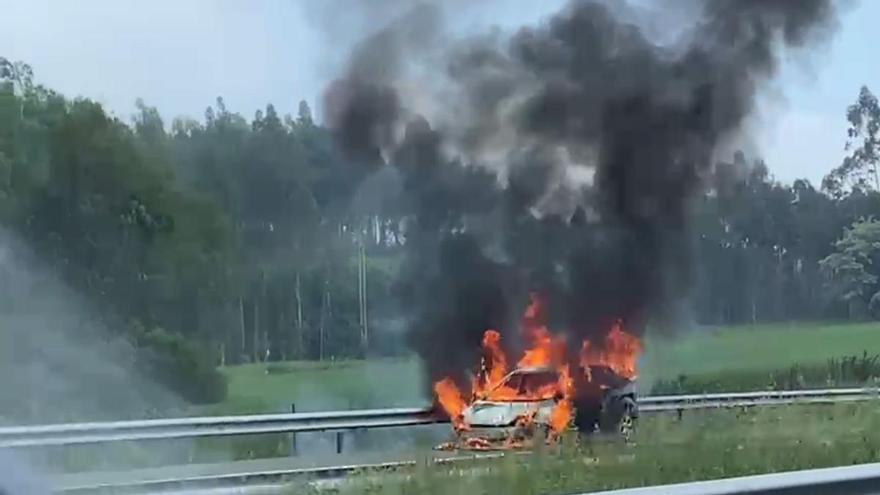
pixel 228 239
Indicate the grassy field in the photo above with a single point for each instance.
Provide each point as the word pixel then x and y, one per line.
pixel 756 347
pixel 315 386
pixel 705 357
pixel 398 382
pixel 703 445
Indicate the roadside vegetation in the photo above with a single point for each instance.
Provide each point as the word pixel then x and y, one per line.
pixel 702 445
pixel 229 240
pixel 756 347
pixel 731 360
pixel 708 360
pixel 315 386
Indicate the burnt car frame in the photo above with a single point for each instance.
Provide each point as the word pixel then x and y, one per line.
pixel 604 403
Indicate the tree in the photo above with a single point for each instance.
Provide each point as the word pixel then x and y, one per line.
pixel 853 266
pixel 19 73
pixel 859 169
pixel 304 114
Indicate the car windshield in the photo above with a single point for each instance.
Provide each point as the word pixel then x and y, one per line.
pixel 533 383
pixel 529 384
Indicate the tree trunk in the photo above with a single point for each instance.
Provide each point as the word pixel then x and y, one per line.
pixel 329 308
pixel 321 323
pixel 362 299
pixel 227 337
pixel 280 335
pixel 876 178
pixel 243 329
pixel 379 231
pixel 360 284
pixel 299 317
pixel 259 338
pixel 754 310
pixel 256 331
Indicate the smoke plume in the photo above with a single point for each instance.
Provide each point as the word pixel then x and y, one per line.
pixel 17 478
pixel 57 361
pixel 560 158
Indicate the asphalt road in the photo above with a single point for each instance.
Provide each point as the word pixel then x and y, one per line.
pixel 262 475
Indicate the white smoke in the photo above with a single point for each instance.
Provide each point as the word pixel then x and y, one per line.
pixel 17 478
pixel 58 361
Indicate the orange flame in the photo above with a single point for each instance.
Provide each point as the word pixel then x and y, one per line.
pixel 451 401
pixel 494 365
pixel 545 350
pixel 564 410
pixel 620 354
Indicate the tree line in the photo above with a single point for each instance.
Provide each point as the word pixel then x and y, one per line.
pixel 238 235
pixel 773 252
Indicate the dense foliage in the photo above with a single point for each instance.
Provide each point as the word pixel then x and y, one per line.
pixel 237 240
pixel 225 231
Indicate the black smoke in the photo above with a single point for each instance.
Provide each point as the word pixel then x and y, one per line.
pixel 488 183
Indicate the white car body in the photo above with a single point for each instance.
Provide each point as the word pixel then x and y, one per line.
pixel 489 413
pixel 492 413
pixel 490 417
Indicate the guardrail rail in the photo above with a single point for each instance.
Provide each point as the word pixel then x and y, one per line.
pixel 863 479
pixel 843 481
pixel 84 433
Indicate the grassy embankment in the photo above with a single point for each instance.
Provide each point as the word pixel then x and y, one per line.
pixel 704 445
pixel 724 359
pixel 735 357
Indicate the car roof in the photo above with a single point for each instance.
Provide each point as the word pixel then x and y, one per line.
pixel 533 369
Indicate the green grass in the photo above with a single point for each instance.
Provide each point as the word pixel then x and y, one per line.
pixel 847 371
pixel 316 386
pixel 703 445
pixel 724 359
pixel 762 347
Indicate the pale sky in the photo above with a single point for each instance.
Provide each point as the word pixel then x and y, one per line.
pixel 179 55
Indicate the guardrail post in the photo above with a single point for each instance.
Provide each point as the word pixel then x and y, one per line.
pixel 339 442
pixel 293 435
pixel 679 411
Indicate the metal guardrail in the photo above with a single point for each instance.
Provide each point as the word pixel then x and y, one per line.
pixel 84 433
pixel 768 394
pixel 844 481
pixel 863 479
pixel 749 399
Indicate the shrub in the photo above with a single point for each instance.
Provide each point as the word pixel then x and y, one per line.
pixel 179 365
pixel 874 306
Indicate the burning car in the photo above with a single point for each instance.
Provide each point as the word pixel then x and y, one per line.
pixel 548 390
pixel 510 416
pixel 606 409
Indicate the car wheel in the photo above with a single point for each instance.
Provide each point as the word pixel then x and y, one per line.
pixel 627 423
pixel 619 417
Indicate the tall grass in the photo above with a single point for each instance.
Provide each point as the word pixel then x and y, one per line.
pixel 701 446
pixel 856 370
